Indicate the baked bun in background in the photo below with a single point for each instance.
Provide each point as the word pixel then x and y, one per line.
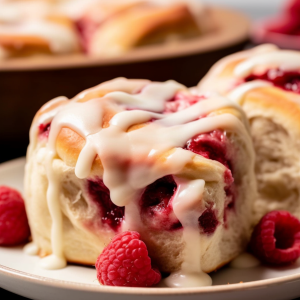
pixel 265 81
pixel 50 35
pixel 102 28
pixel 144 156
pixel 34 27
pixel 112 28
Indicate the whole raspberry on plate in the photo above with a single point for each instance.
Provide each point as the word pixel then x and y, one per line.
pixel 14 228
pixel 276 238
pixel 125 262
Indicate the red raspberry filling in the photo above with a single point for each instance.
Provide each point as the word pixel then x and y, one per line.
pixel 111 214
pixel 156 204
pixel 210 145
pixel 276 238
pixel 14 227
pixel 208 221
pixel 44 130
pixel 125 262
pixel 287 80
pixel 182 101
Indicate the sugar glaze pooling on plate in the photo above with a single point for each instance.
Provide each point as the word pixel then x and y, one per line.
pixel 143 148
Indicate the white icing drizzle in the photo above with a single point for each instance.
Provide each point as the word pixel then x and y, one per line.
pixel 57 259
pixel 187 206
pixel 132 86
pixel 133 159
pixel 208 84
pixel 149 98
pixel 244 261
pixel 286 60
pixel 238 93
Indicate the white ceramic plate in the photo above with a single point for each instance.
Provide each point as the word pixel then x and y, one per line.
pixel 21 274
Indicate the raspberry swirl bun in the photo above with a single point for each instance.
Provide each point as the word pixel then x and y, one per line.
pixel 265 81
pixel 144 156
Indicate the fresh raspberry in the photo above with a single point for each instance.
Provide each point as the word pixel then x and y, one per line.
pixel 125 262
pixel 14 228
pixel 276 238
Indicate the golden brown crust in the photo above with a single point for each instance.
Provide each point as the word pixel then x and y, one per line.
pixel 273 99
pixel 69 145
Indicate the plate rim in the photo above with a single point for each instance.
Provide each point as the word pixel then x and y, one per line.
pixel 220 37
pixel 69 285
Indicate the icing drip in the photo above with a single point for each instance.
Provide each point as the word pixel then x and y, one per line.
pixel 286 60
pixel 57 259
pixel 146 154
pixel 188 207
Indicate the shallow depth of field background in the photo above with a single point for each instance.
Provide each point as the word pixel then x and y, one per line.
pixel 255 9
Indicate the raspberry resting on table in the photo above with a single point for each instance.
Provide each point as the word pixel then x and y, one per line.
pixel 125 262
pixel 14 228
pixel 276 238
